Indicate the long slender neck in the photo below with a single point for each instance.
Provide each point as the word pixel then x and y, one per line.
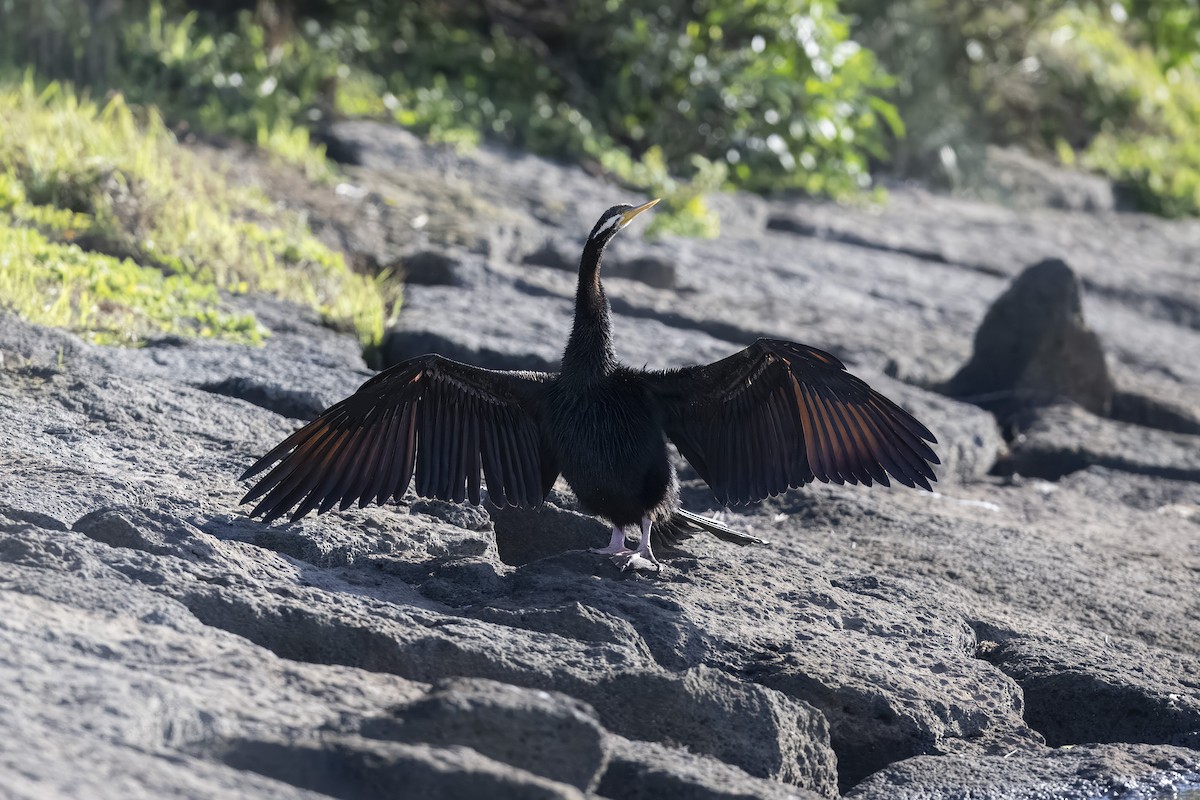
pixel 589 352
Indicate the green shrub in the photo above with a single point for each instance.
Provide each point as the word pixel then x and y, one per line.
pixel 78 176
pixel 773 90
pixel 1109 86
pixel 1143 119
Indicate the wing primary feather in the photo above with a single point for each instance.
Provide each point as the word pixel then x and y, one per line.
pixel 305 495
pixel 835 454
pixel 723 464
pixel 384 461
pixel 294 440
pixel 284 469
pixel 745 449
pixel 439 453
pixel 513 483
pixel 458 477
pixel 868 463
pixel 321 468
pixel 533 459
pixel 334 471
pixel 811 454
pixel 843 455
pixel 760 461
pixel 729 430
pixel 457 489
pixel 876 453
pixel 799 467
pixel 299 482
pixel 426 446
pixel 406 453
pixel 357 473
pixel 492 465
pixel 452 449
pixel 367 452
pixel 509 457
pixel 505 460
pixel 858 458
pixel 914 449
pixel 893 461
pixel 896 418
pixel 473 459
pixel 532 466
pixel 334 484
pixel 818 459
pixel 910 423
pixel 779 454
pixel 525 478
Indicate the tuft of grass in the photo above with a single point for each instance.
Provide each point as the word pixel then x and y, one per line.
pixel 108 300
pixel 98 199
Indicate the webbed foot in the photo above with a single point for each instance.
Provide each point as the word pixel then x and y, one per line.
pixel 637 559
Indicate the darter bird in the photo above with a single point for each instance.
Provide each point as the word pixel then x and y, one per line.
pixel 776 415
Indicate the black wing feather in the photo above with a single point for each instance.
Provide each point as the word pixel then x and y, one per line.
pixel 430 418
pixel 779 415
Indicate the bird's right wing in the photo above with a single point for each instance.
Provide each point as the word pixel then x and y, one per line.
pixel 437 418
pixel 780 414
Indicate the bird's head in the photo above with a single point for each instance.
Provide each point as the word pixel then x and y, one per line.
pixel 613 220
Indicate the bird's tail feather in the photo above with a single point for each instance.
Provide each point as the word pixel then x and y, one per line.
pixel 684 524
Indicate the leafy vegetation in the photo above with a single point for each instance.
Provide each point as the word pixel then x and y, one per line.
pixel 109 227
pixel 668 96
pixel 1111 86
pixel 671 97
pixel 1135 120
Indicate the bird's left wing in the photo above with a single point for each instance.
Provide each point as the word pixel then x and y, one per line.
pixel 780 414
pixel 429 417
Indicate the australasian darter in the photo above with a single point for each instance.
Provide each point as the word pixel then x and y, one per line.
pixel 776 415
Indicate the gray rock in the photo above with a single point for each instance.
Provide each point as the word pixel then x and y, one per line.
pixel 1085 690
pixel 1136 772
pixel 558 254
pixel 1033 347
pixel 358 769
pixel 1153 400
pixel 431 268
pixel 646 771
pixel 554 736
pixel 1014 178
pixel 1062 439
pixel 654 269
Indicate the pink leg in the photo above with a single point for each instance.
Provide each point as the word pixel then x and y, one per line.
pixel 616 545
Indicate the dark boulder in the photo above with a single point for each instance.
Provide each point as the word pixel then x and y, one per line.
pixel 1034 347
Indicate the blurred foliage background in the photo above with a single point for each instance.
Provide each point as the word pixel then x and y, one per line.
pixel 759 94
pixel 672 97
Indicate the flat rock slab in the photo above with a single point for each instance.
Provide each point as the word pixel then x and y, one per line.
pixel 1064 439
pixel 1137 772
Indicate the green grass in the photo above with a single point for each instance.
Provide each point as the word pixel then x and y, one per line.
pixel 111 228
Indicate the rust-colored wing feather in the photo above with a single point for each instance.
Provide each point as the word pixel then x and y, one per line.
pixel 429 420
pixel 780 414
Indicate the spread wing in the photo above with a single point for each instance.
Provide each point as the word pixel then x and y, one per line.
pixel 780 414
pixel 429 416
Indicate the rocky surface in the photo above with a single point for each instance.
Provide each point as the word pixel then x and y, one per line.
pixel 1034 633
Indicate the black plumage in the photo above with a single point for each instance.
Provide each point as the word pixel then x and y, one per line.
pixel 776 415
